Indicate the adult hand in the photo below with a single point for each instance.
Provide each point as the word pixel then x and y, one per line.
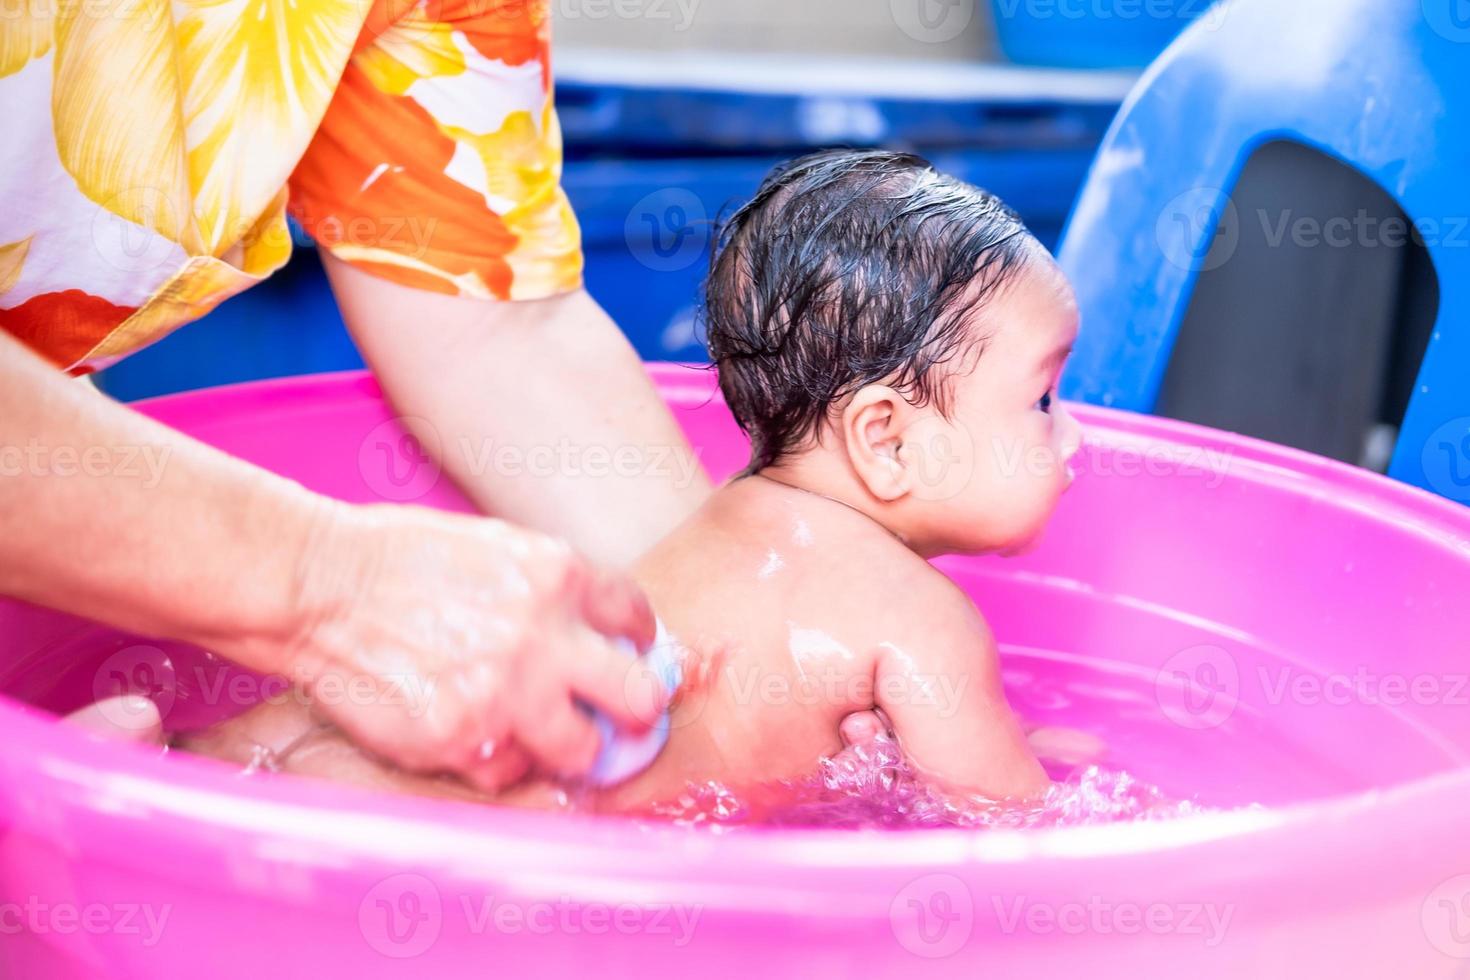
pixel 484 632
pixel 451 643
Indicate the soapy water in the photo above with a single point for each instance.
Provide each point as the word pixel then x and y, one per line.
pixel 873 786
pixel 870 786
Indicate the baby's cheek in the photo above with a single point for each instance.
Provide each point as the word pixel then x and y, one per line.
pixel 1020 473
pixel 1025 505
pixel 1061 446
pixel 1048 480
pixel 1045 461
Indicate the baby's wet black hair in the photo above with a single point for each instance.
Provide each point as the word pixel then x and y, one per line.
pixel 850 267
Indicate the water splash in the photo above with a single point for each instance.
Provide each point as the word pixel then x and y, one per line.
pixel 874 787
pixel 867 786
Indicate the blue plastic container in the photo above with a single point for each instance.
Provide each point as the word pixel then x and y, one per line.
pixel 1091 33
pixel 649 169
pixel 646 226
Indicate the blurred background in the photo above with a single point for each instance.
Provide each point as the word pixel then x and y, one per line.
pixel 673 110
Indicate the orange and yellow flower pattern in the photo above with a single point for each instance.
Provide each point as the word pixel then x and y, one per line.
pixel 158 145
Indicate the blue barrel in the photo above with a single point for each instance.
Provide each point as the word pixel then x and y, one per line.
pixel 651 167
pixel 1093 33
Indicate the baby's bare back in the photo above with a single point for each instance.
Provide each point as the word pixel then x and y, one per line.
pixel 773 600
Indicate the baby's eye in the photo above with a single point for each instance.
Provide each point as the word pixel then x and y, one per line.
pixel 1045 403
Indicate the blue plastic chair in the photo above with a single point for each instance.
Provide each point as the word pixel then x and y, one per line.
pixel 1382 85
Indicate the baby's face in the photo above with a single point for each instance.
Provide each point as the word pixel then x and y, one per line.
pixel 1007 439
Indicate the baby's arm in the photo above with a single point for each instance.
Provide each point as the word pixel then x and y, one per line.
pixel 940 686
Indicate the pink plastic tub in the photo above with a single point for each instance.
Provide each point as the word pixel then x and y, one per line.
pixel 1242 623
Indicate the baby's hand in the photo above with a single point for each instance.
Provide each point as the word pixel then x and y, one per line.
pixel 126 717
pixel 861 729
pixel 1065 746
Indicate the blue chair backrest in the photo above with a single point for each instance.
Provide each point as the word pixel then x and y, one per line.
pixel 1381 85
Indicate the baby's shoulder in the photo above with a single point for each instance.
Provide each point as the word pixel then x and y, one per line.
pixel 908 601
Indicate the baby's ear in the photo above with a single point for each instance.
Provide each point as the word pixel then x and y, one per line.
pixel 872 430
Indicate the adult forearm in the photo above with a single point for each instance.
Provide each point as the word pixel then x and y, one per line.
pixel 439 641
pixel 540 411
pixel 107 514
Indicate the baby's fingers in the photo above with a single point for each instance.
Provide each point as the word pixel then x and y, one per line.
pixel 862 728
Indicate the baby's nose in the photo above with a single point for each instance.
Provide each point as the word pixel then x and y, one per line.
pixel 1071 435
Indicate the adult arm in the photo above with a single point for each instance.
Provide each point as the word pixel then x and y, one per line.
pixel 472 633
pixel 538 409
pixel 433 189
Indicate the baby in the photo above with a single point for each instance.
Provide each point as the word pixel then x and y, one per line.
pixel 890 339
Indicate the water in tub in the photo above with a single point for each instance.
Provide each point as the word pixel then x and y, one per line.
pixel 870 785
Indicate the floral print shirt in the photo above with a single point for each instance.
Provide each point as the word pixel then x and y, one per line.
pixel 150 151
